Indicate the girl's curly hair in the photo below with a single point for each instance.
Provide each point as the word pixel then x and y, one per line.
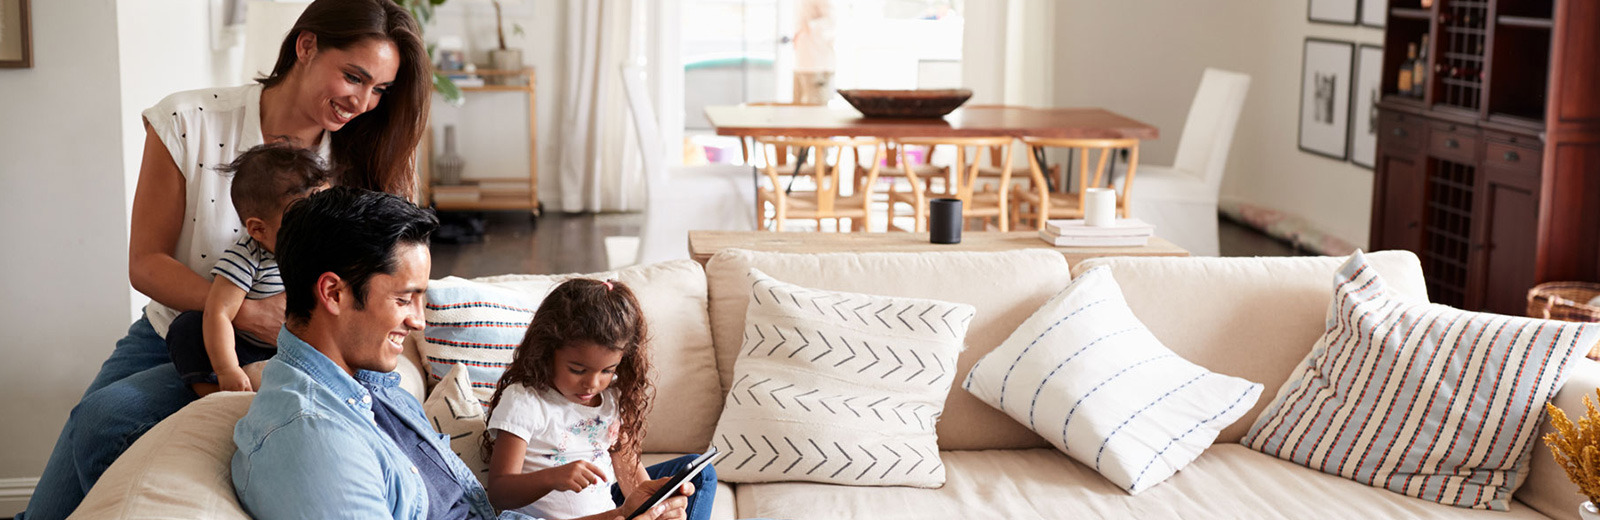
pixel 582 310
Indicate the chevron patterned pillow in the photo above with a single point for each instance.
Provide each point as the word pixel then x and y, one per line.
pixel 453 410
pixel 839 387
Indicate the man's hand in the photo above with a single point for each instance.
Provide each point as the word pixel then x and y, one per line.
pixel 573 476
pixel 234 379
pixel 261 318
pixel 673 508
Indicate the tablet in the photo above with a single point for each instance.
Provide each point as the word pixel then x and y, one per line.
pixel 671 488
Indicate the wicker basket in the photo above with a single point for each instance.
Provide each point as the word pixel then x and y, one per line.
pixel 1566 301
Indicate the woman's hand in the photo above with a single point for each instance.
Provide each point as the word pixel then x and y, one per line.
pixel 673 508
pixel 261 318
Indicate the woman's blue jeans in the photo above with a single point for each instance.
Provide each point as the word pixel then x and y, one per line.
pixel 136 388
pixel 705 486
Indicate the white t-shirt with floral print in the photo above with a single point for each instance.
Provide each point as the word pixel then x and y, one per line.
pixel 559 431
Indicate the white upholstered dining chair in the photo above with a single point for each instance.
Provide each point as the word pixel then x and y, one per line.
pixel 1181 200
pixel 681 198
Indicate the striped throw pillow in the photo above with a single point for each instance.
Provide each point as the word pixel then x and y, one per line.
pixel 1420 399
pixel 474 325
pixel 1086 375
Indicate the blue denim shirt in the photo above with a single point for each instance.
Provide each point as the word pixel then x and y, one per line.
pixel 310 448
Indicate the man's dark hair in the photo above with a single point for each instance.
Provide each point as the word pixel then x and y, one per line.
pixel 346 231
pixel 267 176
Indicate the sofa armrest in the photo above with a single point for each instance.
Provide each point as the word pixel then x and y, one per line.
pixel 1547 489
pixel 181 468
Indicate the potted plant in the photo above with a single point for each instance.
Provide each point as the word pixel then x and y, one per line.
pixel 505 58
pixel 1576 448
pixel 422 10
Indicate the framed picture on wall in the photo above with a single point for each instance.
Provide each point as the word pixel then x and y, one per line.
pixel 1363 108
pixel 16 42
pixel 1325 97
pixel 1372 12
pixel 1342 12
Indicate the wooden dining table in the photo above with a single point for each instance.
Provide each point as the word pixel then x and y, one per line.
pixel 822 121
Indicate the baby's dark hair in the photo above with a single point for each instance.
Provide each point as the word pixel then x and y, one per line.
pixel 581 311
pixel 268 176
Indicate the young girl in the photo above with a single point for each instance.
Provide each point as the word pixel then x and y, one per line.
pixel 566 420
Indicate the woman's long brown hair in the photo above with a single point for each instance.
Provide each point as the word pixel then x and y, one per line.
pixel 374 150
pixel 581 310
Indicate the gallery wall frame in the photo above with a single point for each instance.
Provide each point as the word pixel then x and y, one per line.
pixel 16 36
pixel 1373 12
pixel 1363 105
pixel 1338 12
pixel 1326 67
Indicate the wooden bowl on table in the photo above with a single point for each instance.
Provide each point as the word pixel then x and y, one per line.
pixel 927 103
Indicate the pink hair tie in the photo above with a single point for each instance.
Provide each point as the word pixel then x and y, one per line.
pixel 608 285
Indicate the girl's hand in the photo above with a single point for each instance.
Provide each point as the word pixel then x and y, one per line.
pixel 260 318
pixel 672 508
pixel 573 476
pixel 234 380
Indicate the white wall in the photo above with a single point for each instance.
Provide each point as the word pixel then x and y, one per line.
pixel 165 45
pixel 64 269
pixel 70 144
pixel 492 127
pixel 1144 60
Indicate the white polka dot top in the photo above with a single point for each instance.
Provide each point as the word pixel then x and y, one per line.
pixel 204 129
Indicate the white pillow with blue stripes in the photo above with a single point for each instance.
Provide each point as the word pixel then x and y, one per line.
pixel 1086 375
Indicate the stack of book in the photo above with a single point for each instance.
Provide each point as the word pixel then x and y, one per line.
pixel 1128 232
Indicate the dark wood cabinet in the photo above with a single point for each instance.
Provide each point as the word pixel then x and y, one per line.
pixel 1490 172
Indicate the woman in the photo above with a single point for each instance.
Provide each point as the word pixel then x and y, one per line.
pixel 352 82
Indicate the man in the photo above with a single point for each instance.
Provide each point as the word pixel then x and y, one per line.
pixel 330 434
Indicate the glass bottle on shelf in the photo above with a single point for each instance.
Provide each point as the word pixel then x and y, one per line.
pixel 1419 70
pixel 1406 85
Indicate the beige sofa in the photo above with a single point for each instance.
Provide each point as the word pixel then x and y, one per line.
pixel 1251 318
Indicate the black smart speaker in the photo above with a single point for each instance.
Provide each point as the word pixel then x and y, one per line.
pixel 944 221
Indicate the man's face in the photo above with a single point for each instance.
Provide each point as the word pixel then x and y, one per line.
pixel 370 338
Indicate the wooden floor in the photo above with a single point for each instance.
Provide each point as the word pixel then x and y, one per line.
pixel 514 243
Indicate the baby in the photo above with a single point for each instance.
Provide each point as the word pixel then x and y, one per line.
pixel 209 353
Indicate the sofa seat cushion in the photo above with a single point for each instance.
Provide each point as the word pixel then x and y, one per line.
pixel 1228 481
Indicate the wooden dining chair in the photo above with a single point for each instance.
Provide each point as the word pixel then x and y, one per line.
pixel 1039 204
pixel 975 203
pixel 824 199
pixel 896 166
pixel 990 171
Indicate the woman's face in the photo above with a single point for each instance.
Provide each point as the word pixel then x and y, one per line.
pixel 339 84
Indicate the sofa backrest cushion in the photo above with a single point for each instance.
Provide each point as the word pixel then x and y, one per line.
pixel 673 296
pixel 179 469
pixel 1004 287
pixel 1254 318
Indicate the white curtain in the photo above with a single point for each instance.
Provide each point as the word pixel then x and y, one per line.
pixel 599 161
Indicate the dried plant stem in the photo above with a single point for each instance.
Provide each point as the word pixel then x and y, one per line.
pixel 1576 447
